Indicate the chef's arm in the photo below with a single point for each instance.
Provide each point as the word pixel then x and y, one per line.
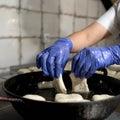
pixel 103 27
pixel 88 36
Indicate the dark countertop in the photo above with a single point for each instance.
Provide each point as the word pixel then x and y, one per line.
pixel 7 112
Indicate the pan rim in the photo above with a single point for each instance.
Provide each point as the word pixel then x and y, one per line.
pixel 53 102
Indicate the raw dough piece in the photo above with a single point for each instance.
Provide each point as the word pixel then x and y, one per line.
pixel 66 98
pixel 111 73
pixel 79 85
pixel 59 85
pixel 45 84
pixel 23 70
pixel 101 97
pixel 117 75
pixel 114 67
pixel 34 69
pixel 34 97
pixel 99 72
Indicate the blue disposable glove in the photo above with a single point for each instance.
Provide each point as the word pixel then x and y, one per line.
pixel 88 60
pixel 53 59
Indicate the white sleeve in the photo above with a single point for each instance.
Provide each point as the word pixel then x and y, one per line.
pixel 111 19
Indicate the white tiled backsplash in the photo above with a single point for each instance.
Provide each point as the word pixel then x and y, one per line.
pixel 28 26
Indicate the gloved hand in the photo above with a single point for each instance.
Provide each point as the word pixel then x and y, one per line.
pixel 88 60
pixel 53 59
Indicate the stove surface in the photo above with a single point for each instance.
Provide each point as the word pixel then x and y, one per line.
pixel 7 112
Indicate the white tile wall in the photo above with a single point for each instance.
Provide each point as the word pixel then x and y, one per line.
pixel 67 6
pixel 50 6
pixel 31 4
pixel 51 24
pixel 101 43
pixel 81 7
pixel 30 48
pixel 80 23
pixel 93 8
pixel 101 9
pixel 90 21
pixel 11 3
pixel 9 51
pixel 9 22
pixel 30 23
pixel 50 42
pixel 66 25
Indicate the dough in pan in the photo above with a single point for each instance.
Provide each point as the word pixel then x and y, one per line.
pixel 27 70
pixel 34 97
pixel 59 85
pixel 34 69
pixel 23 70
pixel 45 84
pixel 79 85
pixel 66 98
pixel 101 97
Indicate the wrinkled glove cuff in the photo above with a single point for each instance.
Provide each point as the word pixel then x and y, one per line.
pixel 111 55
pixel 115 51
pixel 66 41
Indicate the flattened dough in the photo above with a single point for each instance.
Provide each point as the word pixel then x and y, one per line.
pixel 59 85
pixel 23 70
pixel 34 69
pixel 45 84
pixel 66 98
pixel 79 85
pixel 27 70
pixel 101 97
pixel 34 97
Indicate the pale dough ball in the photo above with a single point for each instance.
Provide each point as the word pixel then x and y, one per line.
pixel 101 97
pixel 99 72
pixel 79 85
pixel 66 98
pixel 111 73
pixel 34 97
pixel 34 69
pixel 114 67
pixel 59 85
pixel 23 70
pixel 45 84
pixel 117 75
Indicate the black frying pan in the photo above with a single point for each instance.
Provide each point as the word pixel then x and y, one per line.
pixel 20 85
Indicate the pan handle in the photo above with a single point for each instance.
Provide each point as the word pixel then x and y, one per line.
pixel 104 70
pixel 10 99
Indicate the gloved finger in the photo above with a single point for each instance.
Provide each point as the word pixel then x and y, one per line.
pixel 79 72
pixel 91 70
pixel 58 65
pixel 51 66
pixel 90 73
pixel 43 61
pixel 78 63
pixel 38 57
pixel 51 62
pixel 86 70
pixel 81 63
pixel 88 64
pixel 74 62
